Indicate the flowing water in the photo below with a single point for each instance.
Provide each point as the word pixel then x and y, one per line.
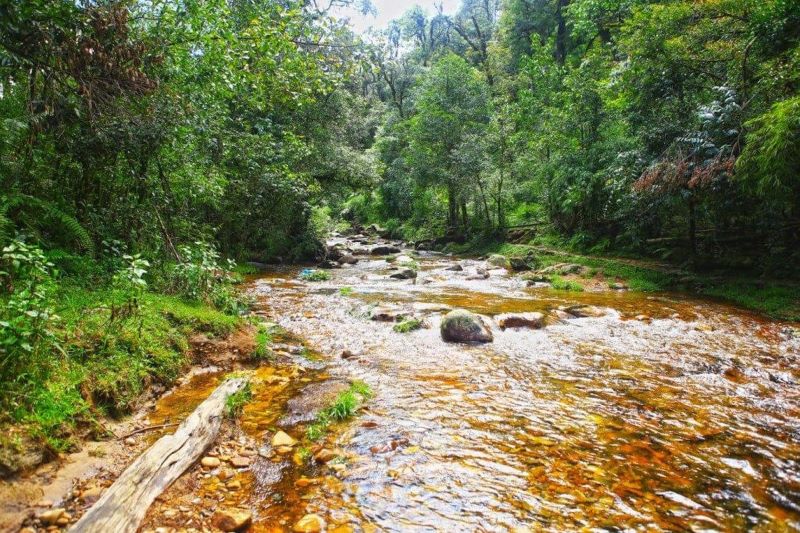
pixel 687 418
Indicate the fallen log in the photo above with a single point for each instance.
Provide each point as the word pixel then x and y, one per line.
pixel 123 506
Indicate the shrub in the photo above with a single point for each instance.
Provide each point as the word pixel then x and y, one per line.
pixel 562 284
pixel 408 325
pixel 27 319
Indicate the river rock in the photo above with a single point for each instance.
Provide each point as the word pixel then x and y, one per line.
pixel 310 523
pixel 324 455
pixel 562 269
pixel 480 273
pixel 231 519
pixel 519 264
pixel 52 516
pixel 282 439
pixel 497 260
pixel 404 273
pixel 463 326
pixel 384 249
pixel 210 462
pixel 404 260
pixel 348 259
pixel 521 320
pixel 91 494
pixel 455 268
pixel 586 311
pixel 387 314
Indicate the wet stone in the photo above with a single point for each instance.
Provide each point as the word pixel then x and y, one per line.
pixel 521 320
pixel 463 326
pixel 210 462
pixel 310 523
pixel 231 519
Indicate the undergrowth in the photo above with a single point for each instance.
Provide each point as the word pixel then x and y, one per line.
pixel 234 404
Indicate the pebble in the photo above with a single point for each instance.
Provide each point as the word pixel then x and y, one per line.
pixel 240 462
pixel 310 523
pixel 210 462
pixel 50 517
pixel 324 455
pixel 130 441
pixel 282 439
pixel 231 519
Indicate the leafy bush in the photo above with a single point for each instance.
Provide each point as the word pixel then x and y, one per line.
pixel 26 317
pixel 202 276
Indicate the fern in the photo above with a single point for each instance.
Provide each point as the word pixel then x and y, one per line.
pixel 48 213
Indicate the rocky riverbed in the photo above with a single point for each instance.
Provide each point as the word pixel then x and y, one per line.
pixel 500 404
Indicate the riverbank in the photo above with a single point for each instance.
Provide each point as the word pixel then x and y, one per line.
pixel 775 298
pixel 102 367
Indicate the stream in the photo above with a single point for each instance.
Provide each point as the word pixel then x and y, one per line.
pixel 665 413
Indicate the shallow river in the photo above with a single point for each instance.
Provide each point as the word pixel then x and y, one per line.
pixel 686 419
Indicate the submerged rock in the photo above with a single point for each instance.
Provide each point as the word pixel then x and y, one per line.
pixel 463 326
pixel 521 320
pixel 282 439
pixel 231 519
pixel 586 311
pixel 404 273
pixel 310 523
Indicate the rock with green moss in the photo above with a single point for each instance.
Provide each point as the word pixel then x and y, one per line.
pixel 499 261
pixel 463 326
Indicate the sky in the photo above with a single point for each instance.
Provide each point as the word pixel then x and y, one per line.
pixel 391 9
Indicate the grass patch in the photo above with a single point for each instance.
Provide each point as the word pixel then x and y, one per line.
pixel 344 407
pixel 104 363
pixel 346 291
pixel 315 275
pixel 562 284
pixel 408 325
pixel 263 340
pixel 234 404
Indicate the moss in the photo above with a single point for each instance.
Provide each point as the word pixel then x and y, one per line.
pixel 408 325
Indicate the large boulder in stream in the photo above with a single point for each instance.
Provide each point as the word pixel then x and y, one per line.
pixel 404 273
pixel 462 326
pixel 384 249
pixel 497 260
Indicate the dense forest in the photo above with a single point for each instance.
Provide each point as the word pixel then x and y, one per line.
pixel 147 147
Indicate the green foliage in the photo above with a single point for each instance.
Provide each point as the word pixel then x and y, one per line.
pixel 346 291
pixel 315 275
pixel 344 407
pixel 27 321
pixel 562 284
pixel 408 325
pixel 771 155
pixel 263 340
pixel 202 276
pixel 234 404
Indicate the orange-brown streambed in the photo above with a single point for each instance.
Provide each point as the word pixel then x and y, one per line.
pixel 688 419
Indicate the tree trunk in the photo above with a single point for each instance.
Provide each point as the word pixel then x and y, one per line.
pixel 692 233
pixel 452 208
pixel 124 505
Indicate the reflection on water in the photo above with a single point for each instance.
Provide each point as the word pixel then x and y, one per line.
pixel 687 418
